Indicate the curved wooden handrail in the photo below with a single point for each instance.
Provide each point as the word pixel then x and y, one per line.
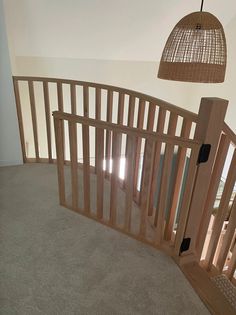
pixel 168 106
pixel 189 143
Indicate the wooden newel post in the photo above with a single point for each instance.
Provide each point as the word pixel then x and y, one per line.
pixel 208 130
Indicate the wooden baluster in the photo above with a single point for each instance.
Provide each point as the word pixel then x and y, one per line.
pixel 147 179
pixel 150 123
pixel 130 124
pixel 186 200
pixel 228 237
pixel 86 160
pixel 232 265
pixel 73 98
pixel 213 188
pixel 220 215
pixel 98 117
pixel 20 119
pixel 159 219
pixel 34 119
pixel 180 163
pixel 160 128
pixel 61 108
pixel 130 166
pixel 48 120
pixel 100 172
pixel 116 151
pixel 74 163
pixel 138 145
pixel 121 109
pixel 60 159
pixel 131 111
pixel 108 132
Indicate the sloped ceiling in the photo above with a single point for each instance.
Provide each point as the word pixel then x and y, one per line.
pixel 100 29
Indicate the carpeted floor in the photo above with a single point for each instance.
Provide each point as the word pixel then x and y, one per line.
pixel 54 261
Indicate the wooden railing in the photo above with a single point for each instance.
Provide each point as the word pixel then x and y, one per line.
pixel 122 213
pixel 143 151
pixel 218 249
pixel 36 98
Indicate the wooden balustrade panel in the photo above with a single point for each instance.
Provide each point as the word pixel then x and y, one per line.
pixel 146 184
pixel 214 185
pixel 186 200
pixel 78 93
pixel 164 185
pixel 177 181
pixel 221 212
pixel 229 237
pixel 123 213
pixel 156 165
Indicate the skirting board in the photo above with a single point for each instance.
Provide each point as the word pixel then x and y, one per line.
pixel 10 163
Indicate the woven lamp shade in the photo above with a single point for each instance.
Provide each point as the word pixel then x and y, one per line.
pixel 195 50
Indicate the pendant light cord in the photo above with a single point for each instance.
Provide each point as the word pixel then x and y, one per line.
pixel 202 5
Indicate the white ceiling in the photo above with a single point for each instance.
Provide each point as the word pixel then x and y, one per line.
pixel 100 29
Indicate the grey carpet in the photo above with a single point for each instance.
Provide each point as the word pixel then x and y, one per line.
pixel 54 261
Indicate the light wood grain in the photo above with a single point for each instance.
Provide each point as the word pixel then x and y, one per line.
pixel 74 161
pixel 180 163
pixel 20 119
pixel 48 119
pixel 61 109
pixel 221 212
pixel 34 119
pixel 208 130
pixel 108 132
pixel 228 238
pixel 186 200
pixel 130 166
pixel 100 172
pixel 73 98
pixel 156 166
pixel 232 264
pixel 163 104
pixel 144 202
pixel 207 291
pixel 141 110
pixel 189 143
pixel 116 151
pixel 98 117
pixel 213 188
pixel 159 220
pixel 60 160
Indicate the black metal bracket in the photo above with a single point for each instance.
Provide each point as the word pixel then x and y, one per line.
pixel 185 245
pixel 204 153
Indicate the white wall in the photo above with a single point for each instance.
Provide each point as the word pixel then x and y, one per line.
pixel 10 152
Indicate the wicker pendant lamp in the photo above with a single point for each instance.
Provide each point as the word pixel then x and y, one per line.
pixel 195 50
